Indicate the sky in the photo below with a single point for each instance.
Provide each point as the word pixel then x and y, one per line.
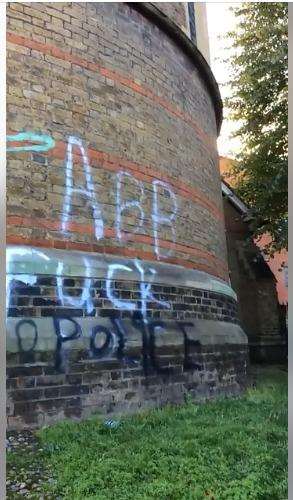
pixel 220 21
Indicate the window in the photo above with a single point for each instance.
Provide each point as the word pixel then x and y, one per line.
pixel 191 21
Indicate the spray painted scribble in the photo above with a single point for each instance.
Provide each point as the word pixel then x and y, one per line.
pixel 89 192
pixel 103 340
pixel 121 206
pixel 28 279
pixel 43 142
pixel 85 300
pixel 146 294
pixel 19 338
pixel 159 218
pixel 108 342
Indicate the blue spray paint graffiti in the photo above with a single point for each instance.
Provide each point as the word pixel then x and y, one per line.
pixel 46 142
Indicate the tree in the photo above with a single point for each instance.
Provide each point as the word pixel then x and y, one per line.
pixel 259 82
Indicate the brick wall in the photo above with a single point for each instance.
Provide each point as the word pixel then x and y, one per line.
pixel 111 155
pixel 176 11
pixel 40 396
pixel 69 362
pixel 255 285
pixel 43 299
pixel 138 106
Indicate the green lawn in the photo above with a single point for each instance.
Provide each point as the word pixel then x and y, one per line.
pixel 228 449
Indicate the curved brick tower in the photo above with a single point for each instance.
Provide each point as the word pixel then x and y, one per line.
pixel 118 293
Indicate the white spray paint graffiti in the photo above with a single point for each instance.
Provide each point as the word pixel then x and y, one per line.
pixel 161 219
pixel 103 340
pixel 146 294
pixel 85 300
pixel 127 306
pixel 89 192
pixel 27 279
pixel 121 206
pixel 158 217
pixel 145 291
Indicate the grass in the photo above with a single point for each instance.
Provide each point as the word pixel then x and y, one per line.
pixel 223 450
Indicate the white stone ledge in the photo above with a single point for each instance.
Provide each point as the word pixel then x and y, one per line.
pixel 25 260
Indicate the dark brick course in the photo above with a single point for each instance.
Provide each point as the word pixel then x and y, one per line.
pixel 189 301
pixel 214 370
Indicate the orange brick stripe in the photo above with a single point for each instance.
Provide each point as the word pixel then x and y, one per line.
pixel 117 77
pixel 113 250
pixel 145 173
pixel 80 228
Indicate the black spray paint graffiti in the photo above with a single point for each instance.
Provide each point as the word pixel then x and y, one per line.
pixel 18 335
pixel 110 341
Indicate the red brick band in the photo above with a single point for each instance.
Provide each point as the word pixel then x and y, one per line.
pixel 109 233
pixel 123 80
pixel 115 250
pixel 113 163
pixel 145 173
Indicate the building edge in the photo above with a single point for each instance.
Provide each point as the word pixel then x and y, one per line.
pixel 155 15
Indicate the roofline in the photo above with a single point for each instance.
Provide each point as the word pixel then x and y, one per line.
pixel 229 193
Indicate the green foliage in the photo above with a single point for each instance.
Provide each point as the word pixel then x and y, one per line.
pixel 229 449
pixel 226 450
pixel 259 102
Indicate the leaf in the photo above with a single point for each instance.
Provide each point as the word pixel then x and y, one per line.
pixel 259 84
